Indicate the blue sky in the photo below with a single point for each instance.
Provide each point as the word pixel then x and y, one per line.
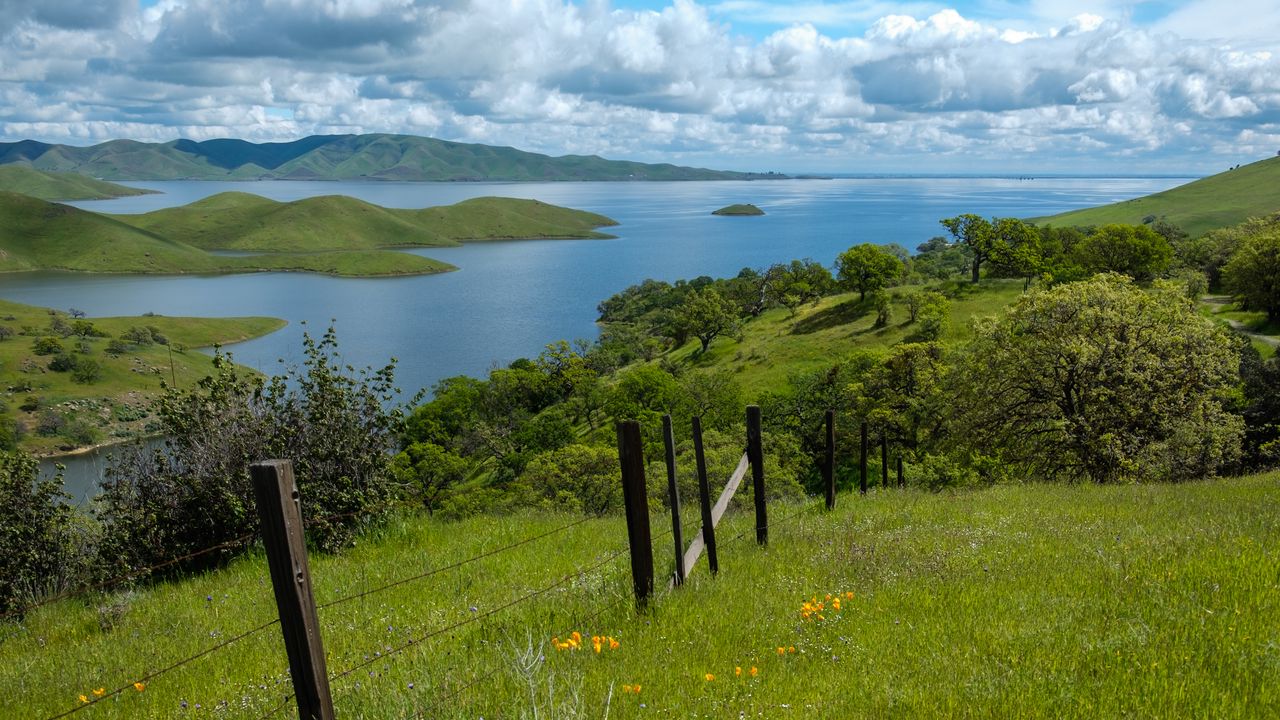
pixel 1072 86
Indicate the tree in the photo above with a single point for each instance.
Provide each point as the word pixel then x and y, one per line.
pixel 868 268
pixel 1102 380
pixel 707 314
pixel 576 478
pixel 430 472
pixel 1016 251
pixel 974 233
pixel 1253 274
pixel 1133 250
pixel 35 530
pixel 796 283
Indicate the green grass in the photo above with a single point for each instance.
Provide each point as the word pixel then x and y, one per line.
pixel 1214 202
pixel 777 343
pixel 1016 601
pixel 333 235
pixel 1221 309
pixel 117 403
pixel 60 186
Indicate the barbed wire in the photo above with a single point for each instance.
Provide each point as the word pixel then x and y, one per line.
pixel 478 617
pixel 174 666
pixel 452 566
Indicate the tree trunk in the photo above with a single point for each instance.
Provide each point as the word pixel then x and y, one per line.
pixel 705 342
pixel 976 265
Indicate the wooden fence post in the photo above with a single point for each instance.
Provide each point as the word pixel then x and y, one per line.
pixel 884 460
pixel 636 500
pixel 704 499
pixel 862 462
pixel 673 495
pixel 901 483
pixel 829 464
pixel 755 456
pixel 280 511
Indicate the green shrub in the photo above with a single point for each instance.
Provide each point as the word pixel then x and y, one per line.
pixel 36 532
pixel 63 362
pixel 46 345
pixel 87 371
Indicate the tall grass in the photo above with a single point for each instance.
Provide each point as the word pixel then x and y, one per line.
pixel 1015 601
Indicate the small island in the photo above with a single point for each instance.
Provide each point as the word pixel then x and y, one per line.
pixel 740 210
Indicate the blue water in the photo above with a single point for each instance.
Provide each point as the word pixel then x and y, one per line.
pixel 510 299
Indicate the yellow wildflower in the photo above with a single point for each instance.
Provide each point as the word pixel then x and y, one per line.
pixel 791 649
pixel 139 686
pixel 754 670
pixel 84 699
pixel 709 677
pixel 737 671
pixel 782 651
pixel 99 692
pixel 614 644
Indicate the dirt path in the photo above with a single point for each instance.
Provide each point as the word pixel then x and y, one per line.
pixel 1218 301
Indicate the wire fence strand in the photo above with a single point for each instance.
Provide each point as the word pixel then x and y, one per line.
pixel 452 566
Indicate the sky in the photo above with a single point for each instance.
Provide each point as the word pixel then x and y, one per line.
pixel 854 86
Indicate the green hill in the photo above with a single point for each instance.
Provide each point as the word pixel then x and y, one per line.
pixel 738 210
pixel 240 221
pixel 60 186
pixel 1214 202
pixel 338 157
pixel 40 235
pixel 334 235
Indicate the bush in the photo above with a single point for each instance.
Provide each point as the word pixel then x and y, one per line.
pixel 36 533
pixel 46 345
pixel 196 492
pixel 87 371
pixel 63 362
pixel 576 479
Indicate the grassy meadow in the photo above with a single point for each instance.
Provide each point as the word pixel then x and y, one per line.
pixel 1014 601
pixel 779 343
pixel 117 404
pixel 1218 201
pixel 60 186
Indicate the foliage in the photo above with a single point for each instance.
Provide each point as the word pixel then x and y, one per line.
pixel 937 259
pixel 868 268
pixel 932 311
pixel 707 315
pixel 1253 274
pixel 793 284
pixel 884 308
pixel 976 234
pixel 195 492
pixel 430 472
pixel 1133 250
pixel 1261 408
pixel 1016 250
pixel 1101 379
pixel 580 479
pixel 36 532
pixel 47 345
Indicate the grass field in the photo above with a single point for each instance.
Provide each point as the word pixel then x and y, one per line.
pixel 116 404
pixel 1217 201
pixel 1015 601
pixel 777 343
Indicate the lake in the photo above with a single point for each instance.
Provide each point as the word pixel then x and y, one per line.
pixel 510 299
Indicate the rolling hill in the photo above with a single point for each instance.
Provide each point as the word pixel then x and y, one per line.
pixel 59 185
pixel 333 235
pixel 337 157
pixel 240 221
pixel 1217 201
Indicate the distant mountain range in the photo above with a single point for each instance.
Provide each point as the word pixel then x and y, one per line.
pixel 338 157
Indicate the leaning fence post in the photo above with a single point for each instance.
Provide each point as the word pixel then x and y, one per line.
pixel 884 459
pixel 280 511
pixel 673 495
pixel 755 456
pixel 704 499
pixel 862 462
pixel 634 497
pixel 829 463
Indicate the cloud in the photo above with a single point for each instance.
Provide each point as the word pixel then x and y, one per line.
pixel 1062 80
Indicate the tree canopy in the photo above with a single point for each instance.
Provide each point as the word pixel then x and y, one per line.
pixel 868 268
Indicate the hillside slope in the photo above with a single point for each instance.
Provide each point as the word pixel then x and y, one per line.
pixel 60 186
pixel 240 221
pixel 338 157
pixel 36 234
pixel 1217 201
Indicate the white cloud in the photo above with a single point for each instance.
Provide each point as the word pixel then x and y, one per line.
pixel 1063 80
